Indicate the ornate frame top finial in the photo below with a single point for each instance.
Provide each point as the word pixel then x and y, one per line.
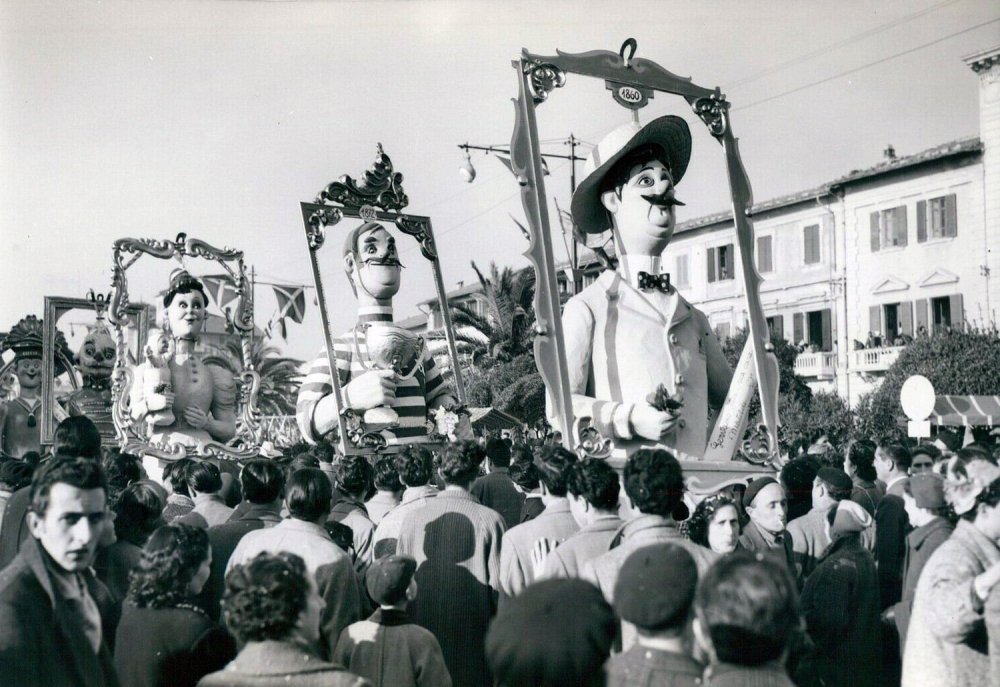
pixel 380 186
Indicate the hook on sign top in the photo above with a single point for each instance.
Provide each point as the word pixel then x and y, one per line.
pixel 630 96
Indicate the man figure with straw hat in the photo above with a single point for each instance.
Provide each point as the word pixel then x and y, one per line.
pixel 644 363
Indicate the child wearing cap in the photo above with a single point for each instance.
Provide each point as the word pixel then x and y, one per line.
pixel 654 592
pixel 388 648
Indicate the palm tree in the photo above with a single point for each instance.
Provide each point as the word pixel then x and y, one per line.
pixel 505 331
pixel 280 377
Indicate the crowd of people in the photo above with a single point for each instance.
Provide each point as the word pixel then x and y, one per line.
pixel 487 563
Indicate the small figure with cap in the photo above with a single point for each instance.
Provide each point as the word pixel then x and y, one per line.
pixel 397 401
pixel 923 498
pixel 388 648
pixel 764 501
pixel 631 337
pixel 654 592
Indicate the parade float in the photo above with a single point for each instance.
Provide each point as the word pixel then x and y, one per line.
pixel 171 400
pixel 388 391
pixel 655 385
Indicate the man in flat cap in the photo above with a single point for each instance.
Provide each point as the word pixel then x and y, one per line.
pixel 630 332
pixel 809 534
pixel 373 270
pixel 765 503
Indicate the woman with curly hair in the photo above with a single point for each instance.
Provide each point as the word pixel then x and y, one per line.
pixel 272 605
pixel 163 639
pixel 715 524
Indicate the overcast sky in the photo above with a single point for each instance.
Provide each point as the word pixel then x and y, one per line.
pixel 217 118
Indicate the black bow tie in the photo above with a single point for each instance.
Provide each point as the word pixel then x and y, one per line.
pixel 649 281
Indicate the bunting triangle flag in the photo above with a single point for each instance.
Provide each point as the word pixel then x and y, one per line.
pixel 291 301
pixel 221 290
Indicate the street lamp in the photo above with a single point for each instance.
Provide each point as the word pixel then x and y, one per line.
pixel 468 174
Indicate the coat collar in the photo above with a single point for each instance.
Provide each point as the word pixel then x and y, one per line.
pixel 257 511
pixel 646 527
pixel 972 538
pixel 389 617
pixel 414 493
pixel 277 658
pixel 920 535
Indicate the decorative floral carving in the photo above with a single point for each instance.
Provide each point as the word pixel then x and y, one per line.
pixel 420 229
pixel 590 442
pixel 714 112
pixel 543 77
pixel 379 186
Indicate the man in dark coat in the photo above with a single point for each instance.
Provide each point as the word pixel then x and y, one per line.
pixel 263 485
pixel 764 501
pixel 841 606
pixel 56 619
pixel 892 464
pixel 496 490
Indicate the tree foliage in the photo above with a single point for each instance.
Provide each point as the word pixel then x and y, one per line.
pixel 514 387
pixel 789 383
pixel 279 376
pixel 957 363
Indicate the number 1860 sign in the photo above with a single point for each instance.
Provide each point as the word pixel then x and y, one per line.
pixel 629 96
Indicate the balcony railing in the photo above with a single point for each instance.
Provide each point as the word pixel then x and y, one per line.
pixel 816 365
pixel 874 359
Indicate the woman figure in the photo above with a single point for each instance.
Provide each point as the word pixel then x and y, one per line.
pixel 202 397
pixel 272 605
pixel 715 524
pixel 163 639
pixel 137 515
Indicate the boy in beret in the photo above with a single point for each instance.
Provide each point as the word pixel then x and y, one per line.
pixel 389 649
pixel 654 592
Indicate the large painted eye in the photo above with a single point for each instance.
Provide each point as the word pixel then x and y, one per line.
pixel 645 180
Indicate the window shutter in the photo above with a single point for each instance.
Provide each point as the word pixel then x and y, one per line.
pixel 778 328
pixel 875 319
pixel 901 230
pixel 874 226
pixel 950 215
pixel 711 265
pixel 921 221
pixel 921 314
pixel 797 327
pixel 906 318
pixel 827 323
pixel 957 313
pixel 730 262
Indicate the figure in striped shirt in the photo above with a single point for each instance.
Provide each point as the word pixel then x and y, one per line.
pixel 373 270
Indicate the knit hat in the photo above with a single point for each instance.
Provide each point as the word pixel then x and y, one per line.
pixel 850 518
pixel 388 578
pixel 928 490
pixel 965 480
pixel 838 479
pixel 556 633
pixel 754 488
pixel 655 587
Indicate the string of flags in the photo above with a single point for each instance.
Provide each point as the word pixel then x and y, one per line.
pixel 291 299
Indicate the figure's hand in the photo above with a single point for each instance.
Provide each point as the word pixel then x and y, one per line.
pixel 370 390
pixel 539 554
pixel 650 423
pixel 196 417
pixel 157 402
pixel 463 432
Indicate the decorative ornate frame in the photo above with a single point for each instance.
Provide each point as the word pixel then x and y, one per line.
pixel 378 196
pixel 127 251
pixel 632 82
pixel 55 307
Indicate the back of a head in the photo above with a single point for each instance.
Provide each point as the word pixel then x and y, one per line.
pixel 77 435
pixel 386 477
pixel 203 477
pixel 556 633
pixel 15 474
pixel 553 463
pixel 596 481
pixel 654 481
pixel 121 469
pixel 837 483
pixel 524 474
pixel 460 462
pixel 415 465
pixel 176 474
pixel 498 453
pixel 355 475
pixel 798 474
pixel 323 451
pixel 861 454
pixel 748 607
pixel 308 494
pixel 137 513
pixel 898 454
pixel 265 597
pixel 263 481
pixel 77 471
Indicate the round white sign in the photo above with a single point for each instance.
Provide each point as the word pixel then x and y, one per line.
pixel 917 397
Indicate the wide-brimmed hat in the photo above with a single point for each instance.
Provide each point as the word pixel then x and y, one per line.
pixel 671 133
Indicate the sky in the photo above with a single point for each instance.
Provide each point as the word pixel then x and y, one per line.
pixel 217 117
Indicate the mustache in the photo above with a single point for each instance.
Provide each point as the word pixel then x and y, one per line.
pixel 665 199
pixel 389 262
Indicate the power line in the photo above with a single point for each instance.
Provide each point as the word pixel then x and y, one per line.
pixel 864 66
pixel 839 44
